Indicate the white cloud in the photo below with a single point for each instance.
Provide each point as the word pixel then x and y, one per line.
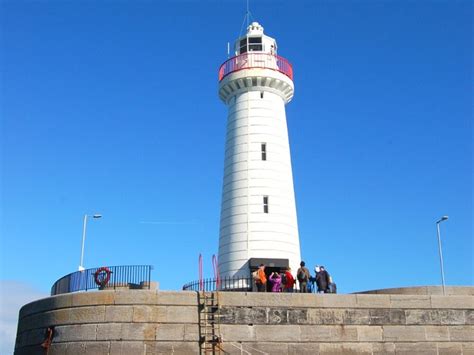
pixel 13 295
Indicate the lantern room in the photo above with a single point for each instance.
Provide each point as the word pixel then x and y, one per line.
pixel 255 41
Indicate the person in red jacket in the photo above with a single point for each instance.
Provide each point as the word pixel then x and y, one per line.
pixel 289 281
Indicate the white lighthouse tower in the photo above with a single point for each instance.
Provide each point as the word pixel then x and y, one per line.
pixel 258 222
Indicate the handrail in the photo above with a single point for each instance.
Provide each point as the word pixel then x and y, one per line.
pixel 256 60
pixel 136 276
pixel 221 284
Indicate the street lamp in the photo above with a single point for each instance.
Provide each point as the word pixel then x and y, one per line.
pixel 442 219
pixel 84 225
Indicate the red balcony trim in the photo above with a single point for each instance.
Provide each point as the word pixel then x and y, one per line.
pixel 256 60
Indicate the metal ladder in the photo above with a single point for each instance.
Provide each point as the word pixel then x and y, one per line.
pixel 209 325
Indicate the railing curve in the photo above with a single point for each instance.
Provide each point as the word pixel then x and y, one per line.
pixel 221 284
pixel 256 60
pixel 131 276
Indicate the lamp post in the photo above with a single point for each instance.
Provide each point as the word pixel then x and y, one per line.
pixel 442 219
pixel 84 226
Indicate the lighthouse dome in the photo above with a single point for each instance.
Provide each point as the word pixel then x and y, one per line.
pixel 255 41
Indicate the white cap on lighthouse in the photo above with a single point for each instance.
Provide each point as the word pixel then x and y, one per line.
pixel 255 40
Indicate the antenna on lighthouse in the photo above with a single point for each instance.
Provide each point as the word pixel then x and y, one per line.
pixel 228 49
pixel 247 16
pixel 248 13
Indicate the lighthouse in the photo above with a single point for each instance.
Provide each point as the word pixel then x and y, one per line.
pixel 258 221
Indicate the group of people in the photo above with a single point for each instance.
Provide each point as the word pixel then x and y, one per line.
pixel 285 282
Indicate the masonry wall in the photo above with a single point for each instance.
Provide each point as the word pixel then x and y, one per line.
pixel 152 322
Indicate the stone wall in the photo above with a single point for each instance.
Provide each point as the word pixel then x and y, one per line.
pixel 159 322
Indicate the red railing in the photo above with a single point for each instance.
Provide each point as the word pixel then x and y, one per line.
pixel 256 60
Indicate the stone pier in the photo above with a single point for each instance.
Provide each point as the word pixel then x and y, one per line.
pixel 160 322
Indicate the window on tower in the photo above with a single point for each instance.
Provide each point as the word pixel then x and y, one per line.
pixel 243 45
pixel 265 204
pixel 255 44
pixel 264 151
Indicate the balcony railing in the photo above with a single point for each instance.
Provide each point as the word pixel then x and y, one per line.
pixel 221 284
pixel 256 60
pixel 110 277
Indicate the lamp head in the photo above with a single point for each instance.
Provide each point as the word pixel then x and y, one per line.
pixel 97 216
pixel 444 218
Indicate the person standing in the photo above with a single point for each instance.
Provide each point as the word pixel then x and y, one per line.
pixel 322 280
pixel 289 281
pixel 275 279
pixel 303 277
pixel 261 279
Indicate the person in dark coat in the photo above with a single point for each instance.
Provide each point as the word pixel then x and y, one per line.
pixel 322 280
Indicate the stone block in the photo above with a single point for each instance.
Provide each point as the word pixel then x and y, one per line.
pixel 328 333
pixel 138 331
pixel 326 316
pixel 468 348
pixel 469 316
pixel 303 348
pixel 135 297
pixel 92 298
pixel 330 348
pixel 46 304
pixel 179 314
pixel 236 333
pixel 191 332
pixel 97 348
pixel 278 333
pixel 177 298
pixel 31 350
pixel 118 313
pixel 175 348
pixel 436 333
pixel 109 331
pixel 373 301
pixel 76 332
pixel 346 349
pixel 92 314
pixel 127 347
pixel 78 348
pixel 421 317
pixel 298 315
pixel 244 315
pixel 451 316
pixel 57 349
pixel 263 348
pixel 383 348
pixel 147 313
pixel 277 316
pixel 338 301
pixel 449 348
pixel 170 332
pixel 32 337
pixel 379 316
pixel 78 315
pixel 416 348
pixel 21 339
pixel 452 302
pixel 356 316
pixel 233 299
pixel 463 333
pixel 369 333
pixel 398 333
pixel 410 301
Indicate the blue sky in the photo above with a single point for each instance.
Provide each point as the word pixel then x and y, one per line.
pixel 112 107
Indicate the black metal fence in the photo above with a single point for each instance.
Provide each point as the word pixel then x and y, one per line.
pixel 224 284
pixel 131 276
